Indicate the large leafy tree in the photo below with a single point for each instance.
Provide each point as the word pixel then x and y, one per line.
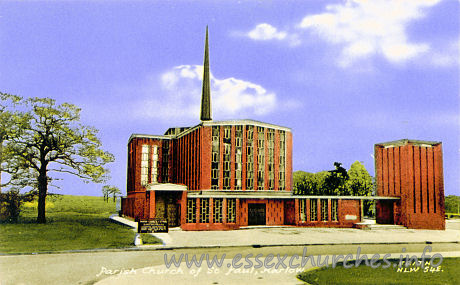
pixel 11 121
pixel 306 183
pixel 49 138
pixel 360 183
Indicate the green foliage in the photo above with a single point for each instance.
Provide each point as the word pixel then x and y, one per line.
pixel 149 239
pixel 360 183
pixel 452 204
pixel 355 182
pixel 75 222
pixel 10 205
pixel 306 183
pixel 45 138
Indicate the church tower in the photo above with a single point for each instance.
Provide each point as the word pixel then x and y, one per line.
pixel 206 92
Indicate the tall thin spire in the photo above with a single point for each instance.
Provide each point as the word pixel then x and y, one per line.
pixel 206 92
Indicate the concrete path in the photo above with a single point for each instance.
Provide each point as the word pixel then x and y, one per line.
pixel 283 236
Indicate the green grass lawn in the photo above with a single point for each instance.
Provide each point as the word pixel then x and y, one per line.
pixel 73 222
pixel 447 273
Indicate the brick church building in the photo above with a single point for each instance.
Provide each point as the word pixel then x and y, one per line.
pixel 223 175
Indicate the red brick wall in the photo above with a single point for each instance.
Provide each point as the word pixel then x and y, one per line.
pixel 136 205
pixel 134 162
pixel 346 207
pixel 414 173
pixel 188 151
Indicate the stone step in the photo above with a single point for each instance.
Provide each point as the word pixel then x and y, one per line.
pixel 366 226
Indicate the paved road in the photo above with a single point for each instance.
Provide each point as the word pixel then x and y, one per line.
pixel 91 267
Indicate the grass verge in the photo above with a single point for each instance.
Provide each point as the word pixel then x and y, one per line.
pixel 446 273
pixel 150 239
pixel 73 223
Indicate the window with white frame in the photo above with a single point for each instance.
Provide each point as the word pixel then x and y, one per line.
pixel 260 158
pixel 218 202
pixel 313 210
pixel 231 210
pixel 227 157
pixel 191 210
pixel 250 157
pixel 324 210
pixel 282 161
pixel 303 210
pixel 238 156
pixel 271 158
pixel 215 157
pixel 335 209
pixel 155 162
pixel 204 210
pixel 145 156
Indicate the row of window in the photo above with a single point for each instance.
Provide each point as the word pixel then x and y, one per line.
pixel 260 143
pixel 313 211
pixel 218 210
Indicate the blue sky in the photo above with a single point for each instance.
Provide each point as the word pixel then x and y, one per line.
pixel 343 75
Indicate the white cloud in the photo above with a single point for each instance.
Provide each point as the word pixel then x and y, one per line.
pixel 181 96
pixel 265 32
pixel 370 27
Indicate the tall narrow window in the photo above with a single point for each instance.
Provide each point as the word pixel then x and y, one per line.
pixel 238 156
pixel 218 210
pixel 260 158
pixel 271 158
pixel 191 210
pixel 155 162
pixel 227 140
pixel 165 162
pixel 250 157
pixel 313 210
pixel 231 210
pixel 204 210
pixel 324 210
pixel 282 162
pixel 215 158
pixel 303 210
pixel 145 164
pixel 334 209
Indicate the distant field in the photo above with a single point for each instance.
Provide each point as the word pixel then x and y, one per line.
pixel 73 222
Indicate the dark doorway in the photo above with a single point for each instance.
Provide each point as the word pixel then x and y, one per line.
pixel 166 207
pixel 384 211
pixel 289 212
pixel 256 214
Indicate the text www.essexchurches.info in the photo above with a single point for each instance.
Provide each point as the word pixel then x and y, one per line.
pixel 295 261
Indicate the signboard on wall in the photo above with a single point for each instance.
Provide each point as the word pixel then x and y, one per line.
pixel 152 226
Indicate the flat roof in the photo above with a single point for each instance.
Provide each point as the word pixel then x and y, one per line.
pixel 245 122
pixel 166 187
pixel 211 123
pixel 408 141
pixel 270 194
pixel 158 137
